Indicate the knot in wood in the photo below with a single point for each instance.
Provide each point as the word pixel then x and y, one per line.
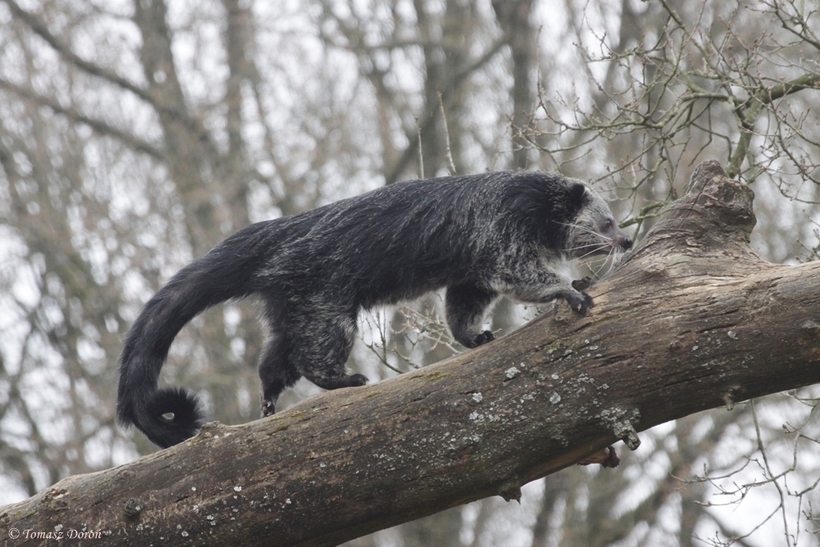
pixel 132 508
pixel 810 328
pixel 655 269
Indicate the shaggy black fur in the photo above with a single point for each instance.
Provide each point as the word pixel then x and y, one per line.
pixel 481 236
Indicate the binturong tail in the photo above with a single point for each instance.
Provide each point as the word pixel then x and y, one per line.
pixel 168 416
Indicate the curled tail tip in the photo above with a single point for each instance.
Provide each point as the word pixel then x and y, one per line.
pixel 168 416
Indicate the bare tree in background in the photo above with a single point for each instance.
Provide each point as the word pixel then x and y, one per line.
pixel 119 168
pixel 134 137
pixel 679 83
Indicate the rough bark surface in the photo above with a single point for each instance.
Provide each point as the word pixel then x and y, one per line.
pixel 692 319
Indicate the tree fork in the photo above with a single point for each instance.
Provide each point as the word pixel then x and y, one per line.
pixel 692 319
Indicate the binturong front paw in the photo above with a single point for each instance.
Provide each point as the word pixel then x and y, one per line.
pixel 579 301
pixel 582 284
pixel 479 340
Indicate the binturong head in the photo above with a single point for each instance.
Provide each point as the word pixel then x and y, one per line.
pixel 594 230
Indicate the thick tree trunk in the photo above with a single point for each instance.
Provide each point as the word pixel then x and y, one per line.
pixel 691 320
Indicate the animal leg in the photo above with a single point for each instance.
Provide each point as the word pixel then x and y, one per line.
pixel 276 371
pixel 540 285
pixel 321 357
pixel 465 307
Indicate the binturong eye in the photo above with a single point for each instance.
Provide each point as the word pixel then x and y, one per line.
pixel 608 223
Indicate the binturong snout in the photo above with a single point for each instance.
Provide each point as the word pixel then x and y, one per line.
pixel 623 241
pixel 618 239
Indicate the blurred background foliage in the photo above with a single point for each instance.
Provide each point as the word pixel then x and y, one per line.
pixel 135 135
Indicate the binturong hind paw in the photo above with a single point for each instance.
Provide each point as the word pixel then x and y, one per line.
pixel 355 380
pixel 268 408
pixel 579 301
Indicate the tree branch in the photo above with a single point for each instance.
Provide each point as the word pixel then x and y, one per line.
pixel 173 111
pixel 692 319
pixel 750 110
pixel 97 125
pixel 42 31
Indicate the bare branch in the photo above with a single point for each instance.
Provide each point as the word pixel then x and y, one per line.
pixel 100 126
pixel 63 49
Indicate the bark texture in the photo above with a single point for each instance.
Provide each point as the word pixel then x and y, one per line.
pixel 692 319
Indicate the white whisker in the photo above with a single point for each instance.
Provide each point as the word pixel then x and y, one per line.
pixel 592 252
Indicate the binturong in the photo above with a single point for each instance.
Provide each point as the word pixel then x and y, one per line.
pixel 480 236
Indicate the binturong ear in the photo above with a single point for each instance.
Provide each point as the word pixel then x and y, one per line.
pixel 576 193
